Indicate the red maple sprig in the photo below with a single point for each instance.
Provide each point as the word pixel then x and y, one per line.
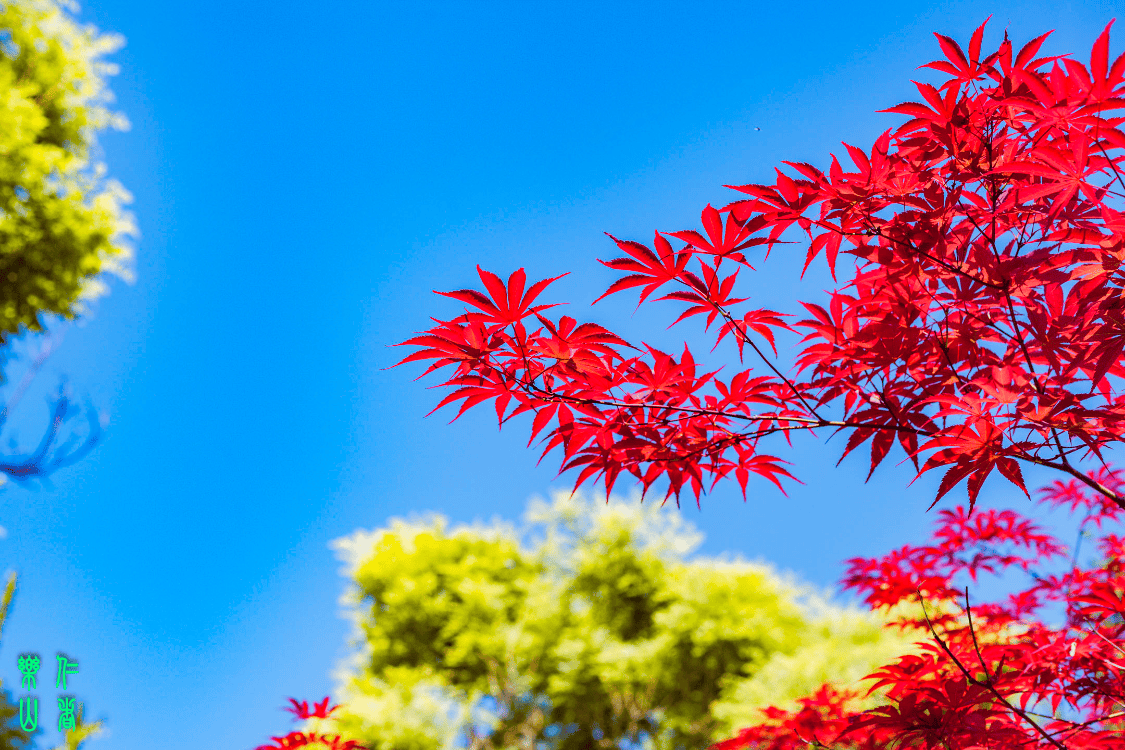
pixel 295 740
pixel 982 328
pixel 991 675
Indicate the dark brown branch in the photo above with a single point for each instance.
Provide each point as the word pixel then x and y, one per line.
pixel 988 684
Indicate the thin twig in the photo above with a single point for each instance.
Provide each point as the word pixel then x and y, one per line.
pixel 988 686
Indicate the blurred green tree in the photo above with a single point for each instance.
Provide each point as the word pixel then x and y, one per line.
pixel 61 222
pixel 603 635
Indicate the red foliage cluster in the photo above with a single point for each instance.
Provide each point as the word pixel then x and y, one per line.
pixel 994 675
pixel 295 740
pixel 982 326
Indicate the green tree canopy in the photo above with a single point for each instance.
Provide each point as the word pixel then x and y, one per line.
pixel 601 635
pixel 12 737
pixel 61 221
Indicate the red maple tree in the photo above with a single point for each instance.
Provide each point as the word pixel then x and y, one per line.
pixel 312 740
pixel 982 325
pixel 994 675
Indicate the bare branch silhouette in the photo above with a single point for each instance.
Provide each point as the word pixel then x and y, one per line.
pixel 54 451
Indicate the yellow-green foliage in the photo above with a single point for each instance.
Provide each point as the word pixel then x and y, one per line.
pixel 602 632
pixel 61 223
pixel 12 737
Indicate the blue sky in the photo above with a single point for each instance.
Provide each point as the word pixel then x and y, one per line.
pixel 304 176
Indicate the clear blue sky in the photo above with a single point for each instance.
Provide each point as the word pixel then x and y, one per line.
pixel 305 174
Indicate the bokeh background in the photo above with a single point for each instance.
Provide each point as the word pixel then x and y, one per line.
pixel 304 176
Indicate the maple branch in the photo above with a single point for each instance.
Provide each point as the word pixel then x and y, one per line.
pixel 745 338
pixel 793 422
pixel 898 420
pixel 986 685
pixel 973 633
pixel 738 329
pixel 1013 320
pixel 1076 726
pixel 804 423
pixel 1098 634
pixel 877 231
pixel 994 156
pixel 1112 163
pixel 1118 500
pixel 874 230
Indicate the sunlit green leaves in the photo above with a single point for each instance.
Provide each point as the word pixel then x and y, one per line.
pixel 592 626
pixel 61 222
